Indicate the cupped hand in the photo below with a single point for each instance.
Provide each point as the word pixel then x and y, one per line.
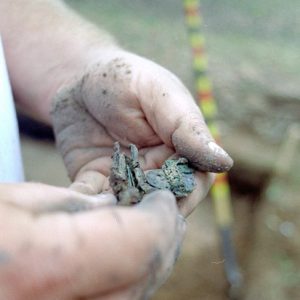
pixel 58 244
pixel 130 99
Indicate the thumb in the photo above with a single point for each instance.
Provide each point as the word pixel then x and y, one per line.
pixel 41 198
pixel 176 118
pixel 192 140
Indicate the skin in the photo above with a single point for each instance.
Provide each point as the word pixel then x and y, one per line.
pixel 76 78
pixel 50 250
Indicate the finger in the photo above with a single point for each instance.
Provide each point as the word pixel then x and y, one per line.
pixel 161 268
pixel 203 183
pixel 90 183
pixel 114 247
pixel 154 157
pixel 41 198
pixel 176 118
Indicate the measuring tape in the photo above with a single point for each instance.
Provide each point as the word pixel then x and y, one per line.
pixel 220 191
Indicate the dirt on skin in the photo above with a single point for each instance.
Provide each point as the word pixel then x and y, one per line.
pixel 265 234
pixel 256 84
pixel 198 273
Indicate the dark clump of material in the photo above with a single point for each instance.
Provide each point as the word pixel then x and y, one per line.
pixel 130 183
pixel 34 129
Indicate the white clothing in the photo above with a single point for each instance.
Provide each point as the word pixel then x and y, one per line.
pixel 11 167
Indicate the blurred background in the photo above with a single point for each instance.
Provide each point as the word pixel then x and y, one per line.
pixel 254 63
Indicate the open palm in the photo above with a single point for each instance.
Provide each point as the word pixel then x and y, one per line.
pixel 130 99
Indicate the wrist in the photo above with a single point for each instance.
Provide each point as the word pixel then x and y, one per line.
pixel 49 45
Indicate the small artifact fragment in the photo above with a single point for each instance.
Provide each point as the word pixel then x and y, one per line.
pixel 130 183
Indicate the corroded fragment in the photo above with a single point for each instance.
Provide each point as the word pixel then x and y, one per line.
pixel 130 183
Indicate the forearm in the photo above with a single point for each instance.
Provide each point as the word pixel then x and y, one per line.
pixel 46 44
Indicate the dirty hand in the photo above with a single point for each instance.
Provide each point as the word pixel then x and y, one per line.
pixel 130 99
pixel 58 244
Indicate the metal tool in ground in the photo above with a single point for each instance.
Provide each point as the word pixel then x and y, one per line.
pixel 220 191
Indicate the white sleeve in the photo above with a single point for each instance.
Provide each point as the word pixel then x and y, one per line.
pixel 11 168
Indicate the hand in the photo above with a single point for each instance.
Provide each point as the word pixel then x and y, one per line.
pixel 57 244
pixel 130 99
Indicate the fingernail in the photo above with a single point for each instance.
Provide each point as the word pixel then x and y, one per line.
pixel 158 195
pixel 217 149
pixel 181 223
pixel 105 199
pixel 160 201
pixel 224 161
pixel 178 251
